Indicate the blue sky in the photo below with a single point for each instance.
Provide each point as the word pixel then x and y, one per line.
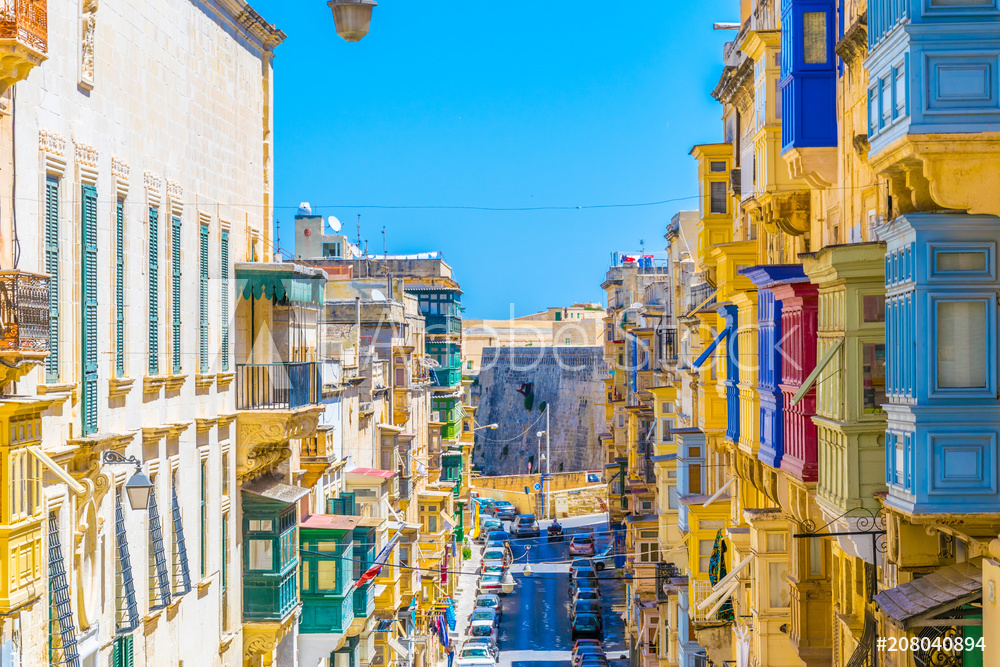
pixel 499 104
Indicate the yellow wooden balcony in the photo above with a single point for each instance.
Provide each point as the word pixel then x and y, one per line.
pixel 24 39
pixel 21 505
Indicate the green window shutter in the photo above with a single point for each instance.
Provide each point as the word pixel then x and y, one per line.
pixel 175 293
pixel 89 315
pixel 224 298
pixel 52 268
pixel 203 299
pixel 120 288
pixel 154 293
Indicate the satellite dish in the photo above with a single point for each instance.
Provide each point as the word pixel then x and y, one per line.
pixel 377 295
pixel 334 223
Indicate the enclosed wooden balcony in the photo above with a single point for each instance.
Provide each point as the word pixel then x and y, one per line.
pixel 24 39
pixel 24 323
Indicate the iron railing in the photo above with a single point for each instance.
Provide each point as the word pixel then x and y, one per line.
pixel 698 295
pixel 26 21
pixel 405 486
pixel 277 386
pixel 668 345
pixel 24 311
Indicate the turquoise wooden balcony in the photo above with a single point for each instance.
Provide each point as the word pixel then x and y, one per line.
pixel 447 376
pixel 443 324
pixel 327 553
pixel 364 600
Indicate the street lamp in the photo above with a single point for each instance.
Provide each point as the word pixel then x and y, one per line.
pixel 492 427
pixel 138 487
pixel 353 18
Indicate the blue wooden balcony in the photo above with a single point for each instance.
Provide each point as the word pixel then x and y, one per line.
pixel 808 74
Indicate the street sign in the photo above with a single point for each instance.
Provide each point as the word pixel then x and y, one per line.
pixel 546 476
pixel 538 487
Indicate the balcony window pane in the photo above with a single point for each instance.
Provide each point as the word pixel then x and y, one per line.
pixel 718 192
pixel 326 575
pixel 960 261
pixel 777 584
pixel 261 555
pixel 961 345
pixel 873 377
pixel 815 558
pixel 718 166
pixel 705 554
pixel 775 542
pixel 873 309
pixel 814 38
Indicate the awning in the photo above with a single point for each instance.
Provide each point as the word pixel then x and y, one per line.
pixel 448 519
pixel 280 281
pixel 271 486
pixel 916 603
pixel 718 493
pixel 57 469
pixel 725 583
pixel 703 357
pixel 663 457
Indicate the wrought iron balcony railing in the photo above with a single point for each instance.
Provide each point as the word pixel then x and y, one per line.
pixel 277 386
pixel 24 312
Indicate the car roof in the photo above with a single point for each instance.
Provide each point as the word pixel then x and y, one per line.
pixel 482 622
pixel 488 596
pixel 593 616
pixel 525 516
pixel 583 536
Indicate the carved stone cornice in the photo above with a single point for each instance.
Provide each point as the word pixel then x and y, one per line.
pixel 262 437
pixel 260 638
pixel 854 45
pixel 786 211
pixel 204 424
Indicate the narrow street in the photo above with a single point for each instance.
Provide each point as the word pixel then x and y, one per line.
pixel 535 629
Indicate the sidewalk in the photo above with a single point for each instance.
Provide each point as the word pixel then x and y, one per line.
pixel 465 600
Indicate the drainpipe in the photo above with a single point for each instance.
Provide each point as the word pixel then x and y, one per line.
pixel 357 334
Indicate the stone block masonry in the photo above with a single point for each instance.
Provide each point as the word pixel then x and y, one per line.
pixel 517 385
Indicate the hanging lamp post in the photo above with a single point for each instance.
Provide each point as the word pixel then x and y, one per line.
pixel 139 487
pixel 352 17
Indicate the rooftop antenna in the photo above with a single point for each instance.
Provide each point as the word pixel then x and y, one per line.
pixel 359 231
pixel 642 248
pixel 384 257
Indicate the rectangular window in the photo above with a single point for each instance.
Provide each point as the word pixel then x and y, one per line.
pixel 225 474
pixel 964 261
pixel 777 580
pixel 432 524
pixel 900 92
pixel 62 632
pixel 120 288
pixel 873 308
pixel 672 496
pixel 885 102
pixel 815 558
pixel 705 554
pixel 175 293
pixel 224 299
pixel 775 542
pixel 204 520
pixel 225 551
pixel 873 377
pixel 260 555
pixel 261 526
pixel 962 361
pixel 52 268
pixel 718 194
pixel 814 38
pixel 154 293
pixel 666 425
pixel 88 279
pixel 648 552
pixel 717 167
pixel 694 478
pixel 326 575
pixel 203 299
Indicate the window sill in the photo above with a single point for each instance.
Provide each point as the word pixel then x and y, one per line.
pixel 175 382
pixel 118 387
pixel 58 392
pixel 204 584
pixel 204 381
pixel 224 379
pixel 152 618
pixel 151 384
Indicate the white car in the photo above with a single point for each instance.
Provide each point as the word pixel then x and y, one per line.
pixel 476 656
pixel 484 629
pixel 483 642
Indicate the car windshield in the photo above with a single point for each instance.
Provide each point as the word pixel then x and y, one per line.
pixel 482 630
pixel 482 616
pixel 586 572
pixel 580 562
pixel 589 648
pixel 485 602
pixel 583 539
pixel 586 621
pixel 491 579
pixel 493 554
pixel 475 653
pixel 587 594
pixel 493 569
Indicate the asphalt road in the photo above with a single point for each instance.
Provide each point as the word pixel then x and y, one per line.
pixel 535 629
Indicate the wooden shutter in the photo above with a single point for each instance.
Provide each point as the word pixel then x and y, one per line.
pixel 203 298
pixel 175 293
pixel 224 298
pixel 120 288
pixel 154 293
pixel 52 268
pixel 89 324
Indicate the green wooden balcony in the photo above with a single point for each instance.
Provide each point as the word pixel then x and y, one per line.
pixel 447 376
pixel 443 324
pixel 364 600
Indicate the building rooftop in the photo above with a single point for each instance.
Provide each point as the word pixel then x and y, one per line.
pixel 329 522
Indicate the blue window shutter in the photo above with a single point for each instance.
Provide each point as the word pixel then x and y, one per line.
pixel 62 634
pixel 182 575
pixel 127 610
pixel 89 271
pixel 120 288
pixel 175 293
pixel 224 298
pixel 159 584
pixel 154 293
pixel 203 299
pixel 52 268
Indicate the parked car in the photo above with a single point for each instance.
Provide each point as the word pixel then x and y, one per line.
pixel 490 602
pixel 588 625
pixel 525 526
pixel 576 564
pixel 584 573
pixel 492 567
pixel 582 545
pixel 484 629
pixel 585 594
pixel 487 506
pixel 583 585
pixel 604 560
pixel 593 660
pixel 592 647
pixel 476 656
pixel 494 554
pixel 485 614
pixel 488 525
pixel 585 607
pixel 505 510
pixel 490 584
pixel 483 642
pixel 497 538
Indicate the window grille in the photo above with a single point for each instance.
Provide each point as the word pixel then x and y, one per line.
pixel 182 575
pixel 62 633
pixel 127 613
pixel 159 579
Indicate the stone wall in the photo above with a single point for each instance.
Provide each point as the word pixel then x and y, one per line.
pixel 581 497
pixel 517 385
